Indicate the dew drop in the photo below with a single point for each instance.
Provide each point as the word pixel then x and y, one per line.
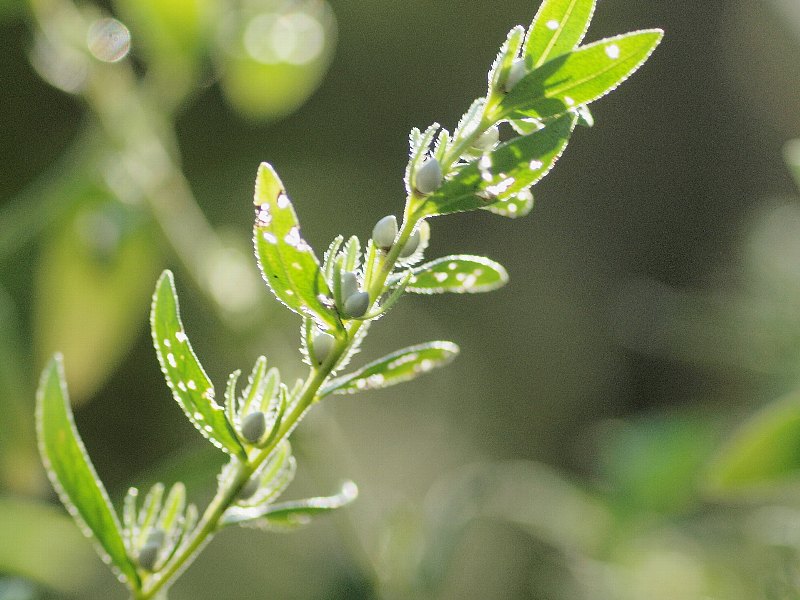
pixel 283 200
pixel 535 165
pixel 108 40
pixel 181 336
pixel 171 360
pixel 263 216
pixel 297 266
pixel 191 384
pixel 460 276
pixel 452 266
pixel 612 50
pixel 208 428
pixel 289 292
pixel 552 24
pixel 268 237
pixel 440 277
pixel 181 386
pixel 569 101
pixel 167 343
pixel 198 416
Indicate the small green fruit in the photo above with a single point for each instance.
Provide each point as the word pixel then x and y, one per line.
pixel 384 232
pixel 349 285
pixel 487 140
pixel 517 71
pixel 322 345
pixel 420 237
pixel 253 426
pixel 429 177
pixel 356 305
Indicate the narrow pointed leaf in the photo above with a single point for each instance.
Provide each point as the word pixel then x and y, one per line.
pixel 72 473
pixel 580 77
pixel 514 207
pixel 288 264
pixel 457 274
pixel 557 28
pixel 508 170
pixel 289 515
pixel 190 386
pixel 397 367
pixel 505 58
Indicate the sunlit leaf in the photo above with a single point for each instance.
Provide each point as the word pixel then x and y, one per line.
pixel 510 169
pixel 764 452
pixel 289 515
pixel 580 77
pixel 459 274
pixel 519 205
pixel 72 473
pixel 190 386
pixel 288 264
pixel 557 28
pixel 394 368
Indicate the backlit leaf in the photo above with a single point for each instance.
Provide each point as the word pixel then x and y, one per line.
pixel 505 172
pixel 72 473
pixel 459 274
pixel 519 205
pixel 288 264
pixel 394 368
pixel 580 77
pixel 557 28
pixel 190 386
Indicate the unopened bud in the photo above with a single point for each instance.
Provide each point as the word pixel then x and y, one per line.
pixel 349 285
pixel 384 232
pixel 323 344
pixel 253 426
pixel 517 71
pixel 487 139
pixel 148 554
pixel 429 177
pixel 420 237
pixel 356 305
pixel 250 488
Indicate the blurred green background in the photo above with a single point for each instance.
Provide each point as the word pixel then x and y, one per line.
pixel 622 422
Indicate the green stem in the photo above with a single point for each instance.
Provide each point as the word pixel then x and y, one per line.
pixel 227 495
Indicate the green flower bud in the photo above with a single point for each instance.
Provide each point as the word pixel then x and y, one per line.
pixel 384 232
pixel 253 426
pixel 420 237
pixel 356 305
pixel 148 553
pixel 429 177
pixel 323 344
pixel 487 139
pixel 250 488
pixel 349 285
pixel 517 71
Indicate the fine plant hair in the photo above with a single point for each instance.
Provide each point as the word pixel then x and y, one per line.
pixel 538 91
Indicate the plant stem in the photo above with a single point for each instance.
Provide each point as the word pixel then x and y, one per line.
pixel 227 495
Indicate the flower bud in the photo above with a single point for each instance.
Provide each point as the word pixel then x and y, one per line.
pixel 429 177
pixel 411 245
pixel 356 305
pixel 250 488
pixel 384 232
pixel 253 426
pixel 323 344
pixel 487 139
pixel 517 71
pixel 349 285
pixel 148 553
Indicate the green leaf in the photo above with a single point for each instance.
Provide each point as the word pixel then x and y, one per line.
pixel 501 66
pixel 190 386
pixel 72 474
pixel 519 205
pixel 580 77
pixel 508 170
pixel 289 515
pixel 764 452
pixel 394 368
pixel 288 264
pixel 460 274
pixel 557 28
